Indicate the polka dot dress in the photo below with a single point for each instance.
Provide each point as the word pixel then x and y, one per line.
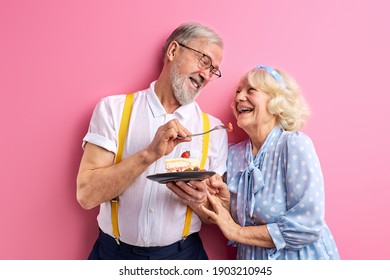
pixel 282 187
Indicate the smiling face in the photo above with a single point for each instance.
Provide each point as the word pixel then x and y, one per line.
pixel 250 107
pixel 187 79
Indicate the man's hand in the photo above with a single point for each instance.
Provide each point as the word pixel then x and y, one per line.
pixel 165 139
pixel 193 194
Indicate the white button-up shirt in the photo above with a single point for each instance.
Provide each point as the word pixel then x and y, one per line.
pixel 149 213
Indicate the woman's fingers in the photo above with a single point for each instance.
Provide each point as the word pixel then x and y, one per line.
pixel 215 203
pixel 212 216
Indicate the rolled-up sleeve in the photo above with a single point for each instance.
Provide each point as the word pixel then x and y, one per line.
pixel 101 131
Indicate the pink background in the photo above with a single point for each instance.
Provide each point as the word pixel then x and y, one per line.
pixel 58 58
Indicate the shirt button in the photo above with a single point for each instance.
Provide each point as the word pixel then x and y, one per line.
pixel 151 210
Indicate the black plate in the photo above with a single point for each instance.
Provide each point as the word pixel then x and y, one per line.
pixel 163 178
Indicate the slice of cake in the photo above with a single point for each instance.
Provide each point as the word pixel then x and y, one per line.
pixel 184 163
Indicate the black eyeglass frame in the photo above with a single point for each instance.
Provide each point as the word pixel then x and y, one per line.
pixel 213 70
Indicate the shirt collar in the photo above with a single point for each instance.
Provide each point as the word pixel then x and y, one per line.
pixel 158 110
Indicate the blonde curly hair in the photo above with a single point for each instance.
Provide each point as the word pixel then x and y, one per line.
pixel 286 100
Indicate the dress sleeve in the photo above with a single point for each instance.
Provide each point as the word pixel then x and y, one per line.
pixel 102 131
pixel 303 221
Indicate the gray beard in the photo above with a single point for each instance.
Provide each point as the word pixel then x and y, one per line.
pixel 182 95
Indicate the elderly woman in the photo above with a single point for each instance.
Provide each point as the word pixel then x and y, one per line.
pixel 274 178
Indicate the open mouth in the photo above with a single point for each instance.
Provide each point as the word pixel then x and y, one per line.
pixel 196 83
pixel 244 110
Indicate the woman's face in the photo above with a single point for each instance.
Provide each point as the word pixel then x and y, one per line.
pixel 250 108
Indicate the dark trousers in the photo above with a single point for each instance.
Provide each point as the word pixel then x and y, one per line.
pixel 106 248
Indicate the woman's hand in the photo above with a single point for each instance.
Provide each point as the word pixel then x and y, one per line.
pixel 251 235
pixel 217 187
pixel 221 216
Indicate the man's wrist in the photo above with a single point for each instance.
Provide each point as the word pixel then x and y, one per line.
pixel 148 157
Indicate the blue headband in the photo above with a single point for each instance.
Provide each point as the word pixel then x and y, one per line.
pixel 274 74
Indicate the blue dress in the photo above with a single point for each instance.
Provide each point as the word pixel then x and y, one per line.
pixel 282 187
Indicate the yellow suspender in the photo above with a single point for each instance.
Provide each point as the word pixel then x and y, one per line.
pixel 206 139
pixel 127 108
pixel 121 140
pixel 205 149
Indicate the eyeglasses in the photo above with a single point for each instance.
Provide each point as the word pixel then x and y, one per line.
pixel 205 63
